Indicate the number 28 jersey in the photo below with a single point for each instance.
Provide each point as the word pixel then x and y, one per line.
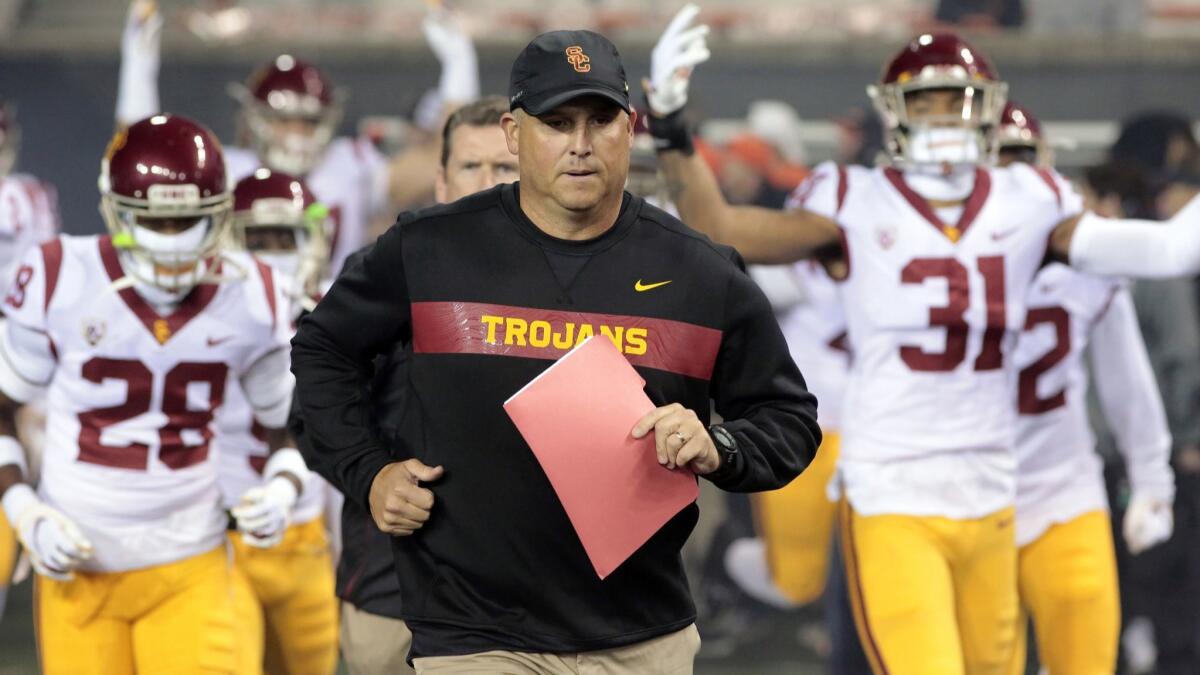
pixel 130 393
pixel 933 309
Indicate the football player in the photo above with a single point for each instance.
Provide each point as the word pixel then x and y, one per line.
pixel 940 253
pixel 28 217
pixel 283 586
pixel 1067 570
pixel 290 112
pixel 134 336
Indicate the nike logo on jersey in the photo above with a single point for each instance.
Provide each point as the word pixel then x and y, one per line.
pixel 1003 234
pixel 640 287
pixel 213 342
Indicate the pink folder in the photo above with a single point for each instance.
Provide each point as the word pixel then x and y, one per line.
pixel 578 416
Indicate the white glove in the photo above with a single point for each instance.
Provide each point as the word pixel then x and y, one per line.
pixel 459 82
pixel 264 512
pixel 681 47
pixel 55 545
pixel 1148 522
pixel 137 86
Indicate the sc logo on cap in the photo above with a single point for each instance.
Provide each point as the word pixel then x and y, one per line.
pixel 580 61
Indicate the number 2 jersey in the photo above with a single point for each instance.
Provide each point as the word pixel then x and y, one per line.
pixel 131 393
pixel 934 300
pixel 1059 475
pixel 242 451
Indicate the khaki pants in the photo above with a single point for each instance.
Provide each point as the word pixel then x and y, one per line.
pixel 670 654
pixel 373 644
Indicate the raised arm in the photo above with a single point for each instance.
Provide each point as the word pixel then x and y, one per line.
pixel 1131 247
pixel 409 178
pixel 137 84
pixel 762 236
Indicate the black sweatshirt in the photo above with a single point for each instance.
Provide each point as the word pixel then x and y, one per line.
pixel 470 290
pixel 366 570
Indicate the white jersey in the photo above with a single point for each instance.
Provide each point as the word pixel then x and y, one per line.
pixel 131 393
pixel 28 217
pixel 1059 475
pixel 351 179
pixel 933 311
pixel 242 452
pixel 815 330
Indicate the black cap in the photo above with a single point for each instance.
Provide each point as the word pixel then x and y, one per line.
pixel 565 64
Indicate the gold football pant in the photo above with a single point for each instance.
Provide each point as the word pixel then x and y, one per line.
pixel 932 595
pixel 1068 586
pixel 172 619
pixel 285 603
pixel 796 523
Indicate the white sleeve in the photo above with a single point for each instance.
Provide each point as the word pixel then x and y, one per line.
pixel 784 290
pixel 451 43
pixel 1129 395
pixel 268 385
pixel 137 84
pixel 267 379
pixel 821 193
pixel 26 361
pixel 1139 248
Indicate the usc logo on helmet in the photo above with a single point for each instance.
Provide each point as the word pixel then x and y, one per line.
pixel 578 60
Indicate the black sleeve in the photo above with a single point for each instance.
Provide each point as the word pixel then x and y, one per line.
pixel 365 313
pixel 761 395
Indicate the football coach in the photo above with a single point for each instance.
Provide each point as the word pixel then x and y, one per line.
pixel 484 293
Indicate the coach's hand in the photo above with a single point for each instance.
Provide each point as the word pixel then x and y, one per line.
pixel 680 439
pixel 681 48
pixel 399 505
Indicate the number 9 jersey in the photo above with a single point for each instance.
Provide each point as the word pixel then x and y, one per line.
pixel 131 393
pixel 934 300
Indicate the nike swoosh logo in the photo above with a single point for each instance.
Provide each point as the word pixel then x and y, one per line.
pixel 639 286
pixel 997 236
pixel 213 342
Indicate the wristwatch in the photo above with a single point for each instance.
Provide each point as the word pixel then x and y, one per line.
pixel 727 450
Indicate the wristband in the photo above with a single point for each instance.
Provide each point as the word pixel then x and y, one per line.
pixel 286 460
pixel 282 490
pixel 16 501
pixel 11 452
pixel 671 133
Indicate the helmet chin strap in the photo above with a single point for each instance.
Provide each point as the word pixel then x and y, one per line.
pixel 941 182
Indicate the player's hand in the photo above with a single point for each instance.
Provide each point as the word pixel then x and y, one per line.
pixel 263 513
pixel 399 505
pixel 1149 522
pixel 143 31
pixel 681 48
pixel 451 43
pixel 55 545
pixel 680 439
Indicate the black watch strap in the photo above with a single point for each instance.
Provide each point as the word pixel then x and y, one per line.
pixel 727 451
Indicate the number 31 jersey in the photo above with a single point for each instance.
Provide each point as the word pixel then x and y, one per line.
pixel 934 302
pixel 130 393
